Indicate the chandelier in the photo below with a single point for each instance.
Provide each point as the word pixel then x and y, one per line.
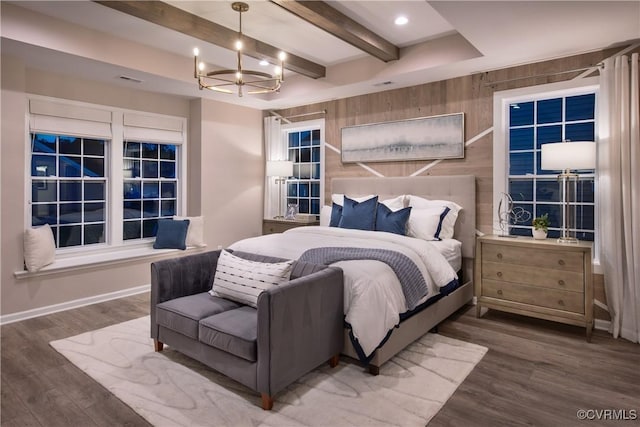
pixel 224 80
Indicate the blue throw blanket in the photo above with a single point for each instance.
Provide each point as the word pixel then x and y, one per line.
pixel 413 284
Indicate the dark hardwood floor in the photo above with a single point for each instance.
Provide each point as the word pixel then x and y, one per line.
pixel 535 373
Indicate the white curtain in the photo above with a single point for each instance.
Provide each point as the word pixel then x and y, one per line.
pixel 619 189
pixel 274 149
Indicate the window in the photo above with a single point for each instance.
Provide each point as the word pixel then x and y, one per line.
pixel 537 122
pixel 100 176
pixel 305 151
pixel 68 187
pixel 526 119
pixel 149 187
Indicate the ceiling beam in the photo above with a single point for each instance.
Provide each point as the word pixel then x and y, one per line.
pixel 174 18
pixel 336 23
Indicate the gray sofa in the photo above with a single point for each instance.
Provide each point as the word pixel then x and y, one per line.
pixel 296 327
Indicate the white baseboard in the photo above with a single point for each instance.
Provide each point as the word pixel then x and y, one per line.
pixel 602 325
pixel 50 309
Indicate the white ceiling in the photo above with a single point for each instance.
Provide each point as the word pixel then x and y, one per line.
pixel 443 39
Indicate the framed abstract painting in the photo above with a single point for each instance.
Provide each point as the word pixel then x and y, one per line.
pixel 424 138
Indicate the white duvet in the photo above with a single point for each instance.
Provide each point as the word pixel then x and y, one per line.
pixel 373 297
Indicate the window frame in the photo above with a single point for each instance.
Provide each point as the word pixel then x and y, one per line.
pixel 308 125
pixel 501 102
pixel 114 176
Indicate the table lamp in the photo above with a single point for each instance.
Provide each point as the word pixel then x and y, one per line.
pixel 568 156
pixel 281 169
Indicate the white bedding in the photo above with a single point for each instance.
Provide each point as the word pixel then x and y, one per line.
pixel 373 297
pixel 451 249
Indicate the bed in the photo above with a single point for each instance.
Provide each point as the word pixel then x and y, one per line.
pixel 394 331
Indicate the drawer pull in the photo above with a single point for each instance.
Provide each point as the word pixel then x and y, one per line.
pixel 561 303
pixel 499 255
pixel 499 291
pixel 561 261
pixel 561 282
pixel 499 273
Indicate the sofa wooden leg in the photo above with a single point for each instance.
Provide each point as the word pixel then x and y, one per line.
pixel 333 362
pixel 374 370
pixel 267 402
pixel 157 345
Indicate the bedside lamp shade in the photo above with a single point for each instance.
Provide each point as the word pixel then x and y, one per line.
pixel 569 155
pixel 279 168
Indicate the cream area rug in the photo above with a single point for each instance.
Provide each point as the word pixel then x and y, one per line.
pixel 169 389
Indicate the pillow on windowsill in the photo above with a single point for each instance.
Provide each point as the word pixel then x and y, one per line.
pixel 195 232
pixel 243 281
pixel 39 247
pixel 172 234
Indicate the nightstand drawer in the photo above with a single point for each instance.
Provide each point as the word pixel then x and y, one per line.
pixel 274 227
pixel 534 257
pixel 534 296
pixel 534 276
pixel 270 226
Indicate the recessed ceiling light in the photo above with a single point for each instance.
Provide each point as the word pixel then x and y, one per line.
pixel 264 63
pixel 401 20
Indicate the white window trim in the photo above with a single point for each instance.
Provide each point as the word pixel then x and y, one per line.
pixel 302 126
pixel 114 248
pixel 501 100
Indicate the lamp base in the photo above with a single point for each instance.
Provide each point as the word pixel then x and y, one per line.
pixel 567 240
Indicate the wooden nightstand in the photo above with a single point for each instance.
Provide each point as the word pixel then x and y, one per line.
pixel 537 278
pixel 270 226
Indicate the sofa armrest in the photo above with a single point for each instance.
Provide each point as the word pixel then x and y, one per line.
pixel 179 277
pixel 300 326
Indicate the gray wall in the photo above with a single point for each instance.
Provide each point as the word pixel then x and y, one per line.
pixel 225 180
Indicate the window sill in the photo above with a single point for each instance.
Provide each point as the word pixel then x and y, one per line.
pixel 63 265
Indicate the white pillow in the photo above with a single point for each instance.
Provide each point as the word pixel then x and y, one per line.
pixel 338 199
pixel 426 224
pixel 325 216
pixel 243 281
pixel 449 222
pixel 395 204
pixel 195 232
pixel 39 247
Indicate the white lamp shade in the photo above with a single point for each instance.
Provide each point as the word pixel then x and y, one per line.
pixel 569 155
pixel 279 168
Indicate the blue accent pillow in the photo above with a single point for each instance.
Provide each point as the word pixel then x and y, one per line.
pixel 171 234
pixel 390 221
pixel 359 216
pixel 336 215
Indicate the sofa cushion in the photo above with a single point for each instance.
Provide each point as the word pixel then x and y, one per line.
pixel 183 314
pixel 234 331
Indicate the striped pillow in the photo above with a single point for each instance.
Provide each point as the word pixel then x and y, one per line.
pixel 243 281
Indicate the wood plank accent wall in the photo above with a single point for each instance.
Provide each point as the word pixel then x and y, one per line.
pixel 472 95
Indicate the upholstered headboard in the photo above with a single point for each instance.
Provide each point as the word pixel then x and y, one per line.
pixel 456 188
